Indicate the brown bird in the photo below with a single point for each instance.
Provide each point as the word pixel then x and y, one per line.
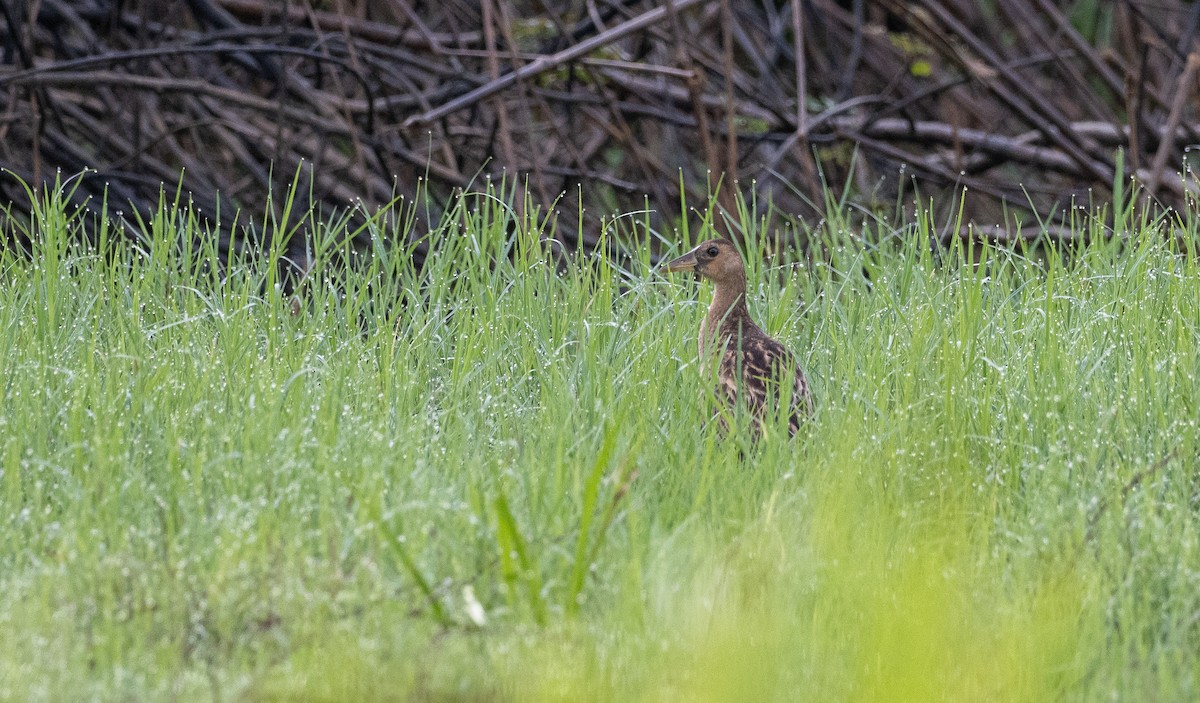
pixel 753 368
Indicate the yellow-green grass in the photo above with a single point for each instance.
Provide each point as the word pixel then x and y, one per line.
pixel 486 480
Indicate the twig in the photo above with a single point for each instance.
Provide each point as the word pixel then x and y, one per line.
pixel 371 31
pixel 1136 480
pixel 504 130
pixel 1182 90
pixel 548 63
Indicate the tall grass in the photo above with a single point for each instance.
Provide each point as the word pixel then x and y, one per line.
pixel 488 480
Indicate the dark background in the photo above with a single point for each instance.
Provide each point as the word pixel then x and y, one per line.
pixel 618 106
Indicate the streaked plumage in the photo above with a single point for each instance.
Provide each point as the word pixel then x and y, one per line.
pixel 752 367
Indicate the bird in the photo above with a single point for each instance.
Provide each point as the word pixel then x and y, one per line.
pixel 752 367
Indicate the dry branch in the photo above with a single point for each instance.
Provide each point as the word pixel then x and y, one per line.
pixel 547 63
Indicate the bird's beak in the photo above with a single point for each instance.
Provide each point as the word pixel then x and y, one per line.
pixel 687 262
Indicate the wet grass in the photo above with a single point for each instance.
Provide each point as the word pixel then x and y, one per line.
pixel 487 481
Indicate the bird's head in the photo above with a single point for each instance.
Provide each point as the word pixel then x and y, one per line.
pixel 717 260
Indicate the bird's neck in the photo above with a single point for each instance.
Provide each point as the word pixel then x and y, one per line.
pixel 727 315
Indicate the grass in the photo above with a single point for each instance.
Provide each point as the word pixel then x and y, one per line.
pixel 486 481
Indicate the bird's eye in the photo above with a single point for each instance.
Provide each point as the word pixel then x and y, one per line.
pixel 712 251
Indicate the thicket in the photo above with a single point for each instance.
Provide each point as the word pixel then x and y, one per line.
pixel 612 105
